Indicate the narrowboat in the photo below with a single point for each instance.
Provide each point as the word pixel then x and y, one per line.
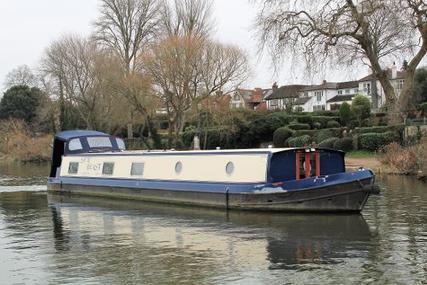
pixel 271 179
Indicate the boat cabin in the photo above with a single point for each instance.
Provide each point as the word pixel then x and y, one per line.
pixel 82 141
pixel 98 155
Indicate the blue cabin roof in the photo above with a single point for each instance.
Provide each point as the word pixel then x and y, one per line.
pixel 67 135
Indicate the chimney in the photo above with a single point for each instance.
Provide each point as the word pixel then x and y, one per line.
pixel 275 87
pixel 393 71
pixel 324 82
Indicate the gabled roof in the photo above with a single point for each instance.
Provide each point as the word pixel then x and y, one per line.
pixel 400 75
pixel 323 86
pixel 347 84
pixel 340 98
pixel 67 135
pixel 286 91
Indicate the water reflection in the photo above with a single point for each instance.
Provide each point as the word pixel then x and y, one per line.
pixel 180 236
pixel 69 240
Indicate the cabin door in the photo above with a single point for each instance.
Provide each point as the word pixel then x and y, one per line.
pixel 307 164
pixel 57 153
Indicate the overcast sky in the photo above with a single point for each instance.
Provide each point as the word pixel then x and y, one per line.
pixel 27 27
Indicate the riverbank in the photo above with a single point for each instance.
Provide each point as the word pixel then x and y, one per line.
pixel 357 159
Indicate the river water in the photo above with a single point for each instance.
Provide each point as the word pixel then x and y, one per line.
pixel 47 239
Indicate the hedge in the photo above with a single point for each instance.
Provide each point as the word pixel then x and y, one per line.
pixel 375 141
pixel 299 141
pixel 329 133
pixel 398 129
pixel 297 126
pixel 281 135
pixel 328 143
pixel 333 124
pixel 344 144
pixel 311 133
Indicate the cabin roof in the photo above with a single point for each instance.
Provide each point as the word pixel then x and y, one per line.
pixel 67 135
pixel 192 152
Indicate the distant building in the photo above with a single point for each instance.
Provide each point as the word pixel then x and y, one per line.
pixel 372 88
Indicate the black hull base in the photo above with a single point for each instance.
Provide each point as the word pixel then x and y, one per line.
pixel 349 197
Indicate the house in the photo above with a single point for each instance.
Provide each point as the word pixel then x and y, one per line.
pixel 284 97
pixel 372 88
pixel 248 99
pixel 329 94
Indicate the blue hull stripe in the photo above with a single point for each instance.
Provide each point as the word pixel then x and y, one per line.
pixel 210 187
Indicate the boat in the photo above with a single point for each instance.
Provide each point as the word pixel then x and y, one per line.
pixel 307 179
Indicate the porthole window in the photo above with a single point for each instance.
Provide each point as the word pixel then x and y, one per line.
pixel 229 168
pixel 178 167
pixel 108 168
pixel 137 169
pixel 73 168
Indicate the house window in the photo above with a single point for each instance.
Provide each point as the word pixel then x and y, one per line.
pixel 108 168
pixel 229 168
pixel 318 95
pixel 73 168
pixel 137 169
pixel 400 84
pixel 319 108
pixel 356 91
pixel 367 88
pixel 347 91
pixel 339 92
pixel 74 144
pixel 236 97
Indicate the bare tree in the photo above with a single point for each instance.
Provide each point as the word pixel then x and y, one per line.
pixel 73 63
pixel 21 75
pixel 369 30
pixel 187 69
pixel 126 27
pixel 187 17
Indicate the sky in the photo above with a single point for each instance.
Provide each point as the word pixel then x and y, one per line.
pixel 27 27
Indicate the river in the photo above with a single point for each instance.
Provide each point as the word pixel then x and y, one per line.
pixel 49 240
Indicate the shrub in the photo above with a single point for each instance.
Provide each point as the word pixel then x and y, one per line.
pixel 324 135
pixel 361 107
pixel 345 113
pixel 323 120
pixel 423 108
pixel 297 126
pixel 281 135
pixel 375 141
pixel 304 119
pixel 402 160
pixel 344 144
pixel 328 143
pixel 311 133
pixel 299 141
pixel 317 125
pixel 19 144
pixel 333 124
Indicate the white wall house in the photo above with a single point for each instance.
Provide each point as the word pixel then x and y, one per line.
pixel 396 79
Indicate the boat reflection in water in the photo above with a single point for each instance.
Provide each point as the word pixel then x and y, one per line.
pixel 258 239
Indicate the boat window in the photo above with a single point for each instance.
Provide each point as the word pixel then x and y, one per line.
pixel 178 167
pixel 229 168
pixel 121 144
pixel 137 169
pixel 95 142
pixel 108 168
pixel 74 144
pixel 73 168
